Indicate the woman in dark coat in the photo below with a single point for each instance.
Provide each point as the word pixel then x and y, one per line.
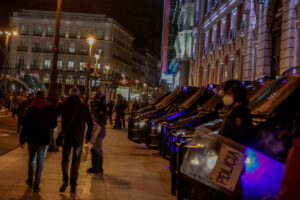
pixel 99 115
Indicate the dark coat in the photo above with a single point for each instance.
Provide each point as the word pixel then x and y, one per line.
pixel 37 125
pixel 67 109
pixel 237 125
pixel 99 111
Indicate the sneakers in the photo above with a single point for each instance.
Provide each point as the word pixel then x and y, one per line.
pixel 63 187
pixel 36 189
pixel 29 183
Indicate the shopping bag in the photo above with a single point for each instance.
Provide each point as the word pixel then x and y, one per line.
pixel 97 128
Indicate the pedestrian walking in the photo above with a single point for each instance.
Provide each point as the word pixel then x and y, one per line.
pixel 109 109
pixel 120 113
pixel 38 123
pixel 22 105
pixel 13 104
pixel 99 116
pixel 237 123
pixel 75 114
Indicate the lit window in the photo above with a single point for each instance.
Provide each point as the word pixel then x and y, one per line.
pixel 47 64
pixel 72 48
pixel 59 64
pixel 73 32
pixel 70 80
pixel 23 29
pixel 49 45
pixel 38 30
pixel 70 65
pixel 46 78
pixel 81 81
pixel 81 66
pixel 50 30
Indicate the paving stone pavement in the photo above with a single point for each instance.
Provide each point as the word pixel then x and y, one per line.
pixel 131 172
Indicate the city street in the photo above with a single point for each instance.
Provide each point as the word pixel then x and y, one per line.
pixel 130 172
pixel 9 139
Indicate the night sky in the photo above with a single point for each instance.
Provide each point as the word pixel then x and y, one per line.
pixel 142 17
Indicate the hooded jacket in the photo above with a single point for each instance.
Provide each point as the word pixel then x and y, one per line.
pixel 39 120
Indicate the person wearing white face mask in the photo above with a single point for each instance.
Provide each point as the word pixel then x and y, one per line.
pixel 237 123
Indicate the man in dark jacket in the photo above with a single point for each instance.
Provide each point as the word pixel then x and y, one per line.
pixel 38 122
pixel 75 115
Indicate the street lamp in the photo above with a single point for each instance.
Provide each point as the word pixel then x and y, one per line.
pixel 7 37
pixel 97 57
pixel 107 68
pixel 89 67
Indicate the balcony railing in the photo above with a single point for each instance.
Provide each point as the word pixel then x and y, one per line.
pixel 48 51
pixel 36 49
pixel 21 48
pixel 36 33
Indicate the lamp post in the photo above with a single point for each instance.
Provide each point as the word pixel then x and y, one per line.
pixel 89 68
pixel 107 68
pixel 97 57
pixel 96 75
pixel 52 96
pixel 7 34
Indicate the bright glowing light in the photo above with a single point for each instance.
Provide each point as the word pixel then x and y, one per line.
pixel 137 81
pixel 15 33
pixel 97 56
pixel 195 161
pixel 107 67
pixel 211 162
pixel 1 32
pixel 145 84
pixel 91 40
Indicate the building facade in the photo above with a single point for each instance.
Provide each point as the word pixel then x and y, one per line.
pixel 244 39
pixel 31 52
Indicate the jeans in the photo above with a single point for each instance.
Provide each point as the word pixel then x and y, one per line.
pixel 37 154
pixel 77 150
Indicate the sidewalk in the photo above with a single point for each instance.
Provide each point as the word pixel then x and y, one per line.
pixel 131 172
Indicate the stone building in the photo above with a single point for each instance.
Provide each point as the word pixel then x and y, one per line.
pixel 31 52
pixel 244 39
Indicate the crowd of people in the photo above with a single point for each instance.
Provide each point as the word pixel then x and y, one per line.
pixel 94 114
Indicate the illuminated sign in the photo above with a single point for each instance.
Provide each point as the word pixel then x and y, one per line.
pixel 124 82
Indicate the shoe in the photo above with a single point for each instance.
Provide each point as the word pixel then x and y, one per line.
pixel 91 170
pixel 36 189
pixel 73 190
pixel 29 183
pixel 63 187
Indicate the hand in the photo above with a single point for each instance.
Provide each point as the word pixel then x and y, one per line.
pixel 87 141
pixel 22 145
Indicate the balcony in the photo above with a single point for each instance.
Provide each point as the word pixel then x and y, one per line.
pixel 37 33
pixel 48 50
pixel 49 34
pixel 82 52
pixel 21 48
pixel 36 49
